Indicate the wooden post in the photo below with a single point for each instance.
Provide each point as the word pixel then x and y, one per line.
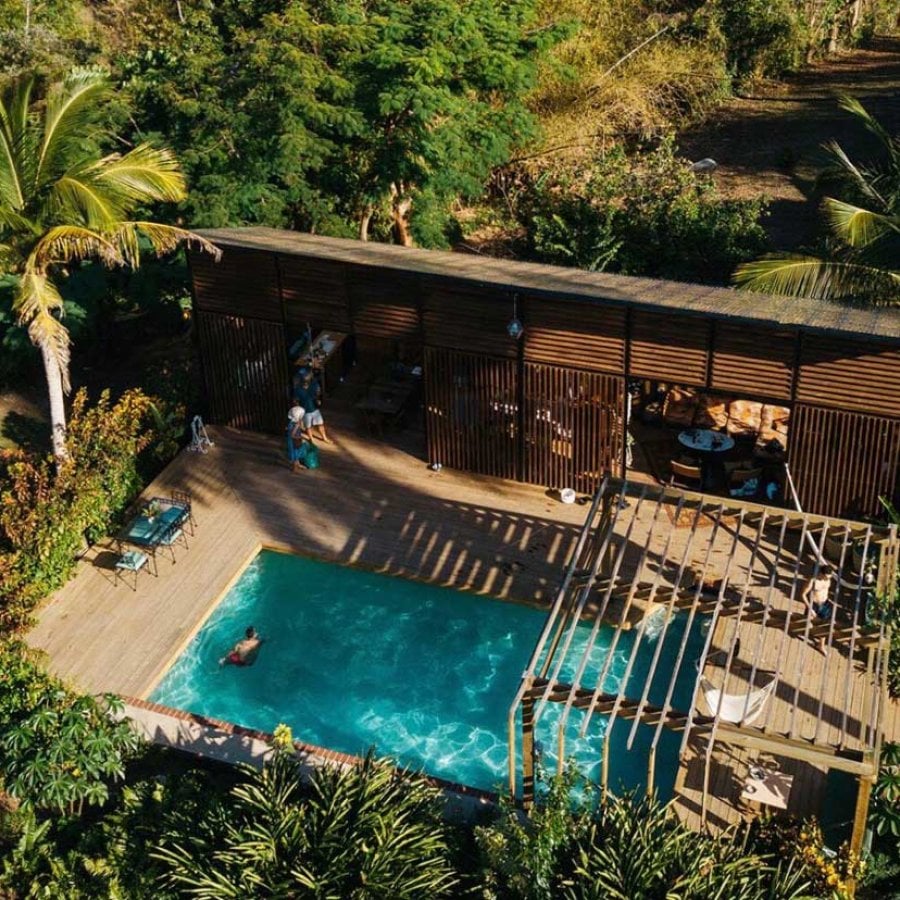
pixel 859 821
pixel 527 752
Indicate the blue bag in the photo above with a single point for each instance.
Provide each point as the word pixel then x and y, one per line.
pixel 308 455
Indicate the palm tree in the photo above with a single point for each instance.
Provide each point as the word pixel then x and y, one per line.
pixel 863 265
pixel 61 202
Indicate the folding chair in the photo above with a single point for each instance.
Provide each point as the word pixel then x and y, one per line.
pixel 130 560
pixel 183 499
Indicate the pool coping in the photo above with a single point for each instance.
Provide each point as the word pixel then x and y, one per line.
pixel 211 738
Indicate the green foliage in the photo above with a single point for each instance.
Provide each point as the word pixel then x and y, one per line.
pixel 531 857
pixel 761 37
pixel 884 815
pixel 363 832
pixel 46 515
pixel 646 214
pixel 627 848
pixel 58 750
pixel 864 220
pixel 377 114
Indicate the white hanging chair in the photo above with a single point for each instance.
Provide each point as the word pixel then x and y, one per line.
pixel 738 709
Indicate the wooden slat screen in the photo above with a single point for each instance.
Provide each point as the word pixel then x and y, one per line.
pixel 849 374
pixel 471 412
pixel 314 291
pixel 750 361
pixel 384 306
pixel 842 462
pixel 573 426
pixel 242 282
pixel 668 347
pixel 245 370
pixel 575 334
pixel 469 319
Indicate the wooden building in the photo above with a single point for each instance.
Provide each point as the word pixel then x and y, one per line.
pixel 551 405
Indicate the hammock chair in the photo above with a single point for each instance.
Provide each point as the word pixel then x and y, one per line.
pixel 739 709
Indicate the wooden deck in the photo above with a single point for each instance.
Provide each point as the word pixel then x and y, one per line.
pixel 370 504
pixel 375 505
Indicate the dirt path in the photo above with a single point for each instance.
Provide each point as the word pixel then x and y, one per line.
pixel 770 143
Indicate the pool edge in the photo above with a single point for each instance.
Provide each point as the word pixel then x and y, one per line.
pixel 210 735
pixel 208 610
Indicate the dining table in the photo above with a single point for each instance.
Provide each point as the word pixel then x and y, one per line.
pixel 705 440
pixel 152 524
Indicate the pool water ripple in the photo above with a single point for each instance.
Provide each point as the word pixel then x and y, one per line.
pixel 426 674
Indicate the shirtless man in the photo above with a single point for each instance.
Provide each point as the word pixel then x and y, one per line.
pixel 815 596
pixel 244 652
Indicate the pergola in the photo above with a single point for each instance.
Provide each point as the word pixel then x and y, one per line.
pixel 760 682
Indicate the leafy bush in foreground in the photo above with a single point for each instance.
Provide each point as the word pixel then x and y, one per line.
pixel 627 848
pixel 46 514
pixel 367 831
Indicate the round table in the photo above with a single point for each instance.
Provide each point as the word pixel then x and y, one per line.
pixel 705 440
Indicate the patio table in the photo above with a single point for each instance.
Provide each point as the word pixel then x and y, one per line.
pixel 144 531
pixel 384 402
pixel 767 787
pixel 705 440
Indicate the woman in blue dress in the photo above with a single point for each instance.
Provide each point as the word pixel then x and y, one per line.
pixel 296 437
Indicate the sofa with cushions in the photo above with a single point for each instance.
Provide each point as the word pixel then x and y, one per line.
pixel 763 422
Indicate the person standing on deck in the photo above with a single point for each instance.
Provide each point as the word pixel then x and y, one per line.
pixel 308 394
pixel 815 596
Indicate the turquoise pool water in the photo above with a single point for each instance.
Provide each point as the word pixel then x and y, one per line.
pixel 426 674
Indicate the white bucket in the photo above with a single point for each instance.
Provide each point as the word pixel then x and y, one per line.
pixel 567 495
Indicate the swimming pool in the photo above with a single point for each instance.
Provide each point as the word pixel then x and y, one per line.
pixel 425 674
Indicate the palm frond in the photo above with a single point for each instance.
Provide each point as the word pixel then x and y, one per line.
pixel 67 243
pixel 144 173
pixel 74 197
pixel 70 106
pixel 35 303
pixel 13 128
pixel 847 170
pixel 163 239
pixel 809 276
pixel 856 226
pixel 870 123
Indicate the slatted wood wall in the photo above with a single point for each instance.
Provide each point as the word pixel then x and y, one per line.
pixel 245 371
pixel 584 335
pixel 470 318
pixel 471 412
pixel 242 283
pixel 750 361
pixel 849 375
pixel 314 291
pixel 670 347
pixel 573 426
pixel 843 462
pixel 385 314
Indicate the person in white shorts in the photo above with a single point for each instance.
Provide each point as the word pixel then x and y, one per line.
pixel 307 395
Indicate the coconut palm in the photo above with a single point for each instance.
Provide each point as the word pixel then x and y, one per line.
pixel 866 230
pixel 62 202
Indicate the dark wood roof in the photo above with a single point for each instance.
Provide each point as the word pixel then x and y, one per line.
pixel 716 302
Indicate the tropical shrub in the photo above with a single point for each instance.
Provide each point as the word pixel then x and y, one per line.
pixel 884 815
pixel 575 845
pixel 367 831
pixel 58 750
pixel 646 214
pixel 47 514
pixel 828 872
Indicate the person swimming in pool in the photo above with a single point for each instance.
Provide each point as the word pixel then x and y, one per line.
pixel 243 653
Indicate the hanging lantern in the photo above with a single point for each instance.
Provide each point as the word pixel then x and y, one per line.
pixel 515 328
